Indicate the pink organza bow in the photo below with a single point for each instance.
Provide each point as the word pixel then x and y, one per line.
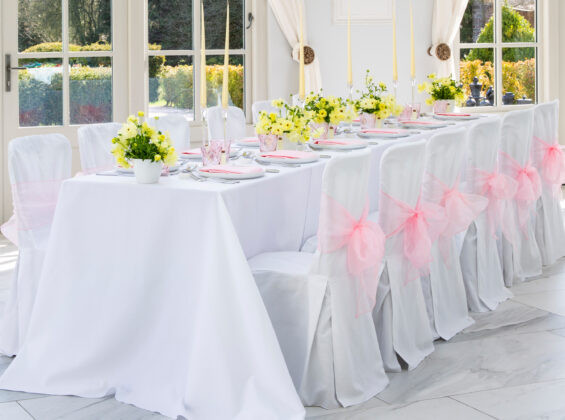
pixel 498 188
pixel 529 186
pixel 461 209
pixel 552 160
pixel 421 227
pixel 365 247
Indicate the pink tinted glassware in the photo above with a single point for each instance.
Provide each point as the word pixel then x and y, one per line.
pixel 212 154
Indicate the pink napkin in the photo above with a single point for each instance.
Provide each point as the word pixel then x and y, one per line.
pixel 288 154
pixel 232 169
pixel 357 120
pixel 384 131
pixel 250 140
pixel 453 114
pixel 195 152
pixel 338 142
pixel 419 122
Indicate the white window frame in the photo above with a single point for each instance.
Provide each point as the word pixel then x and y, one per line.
pixel 498 46
pixel 196 62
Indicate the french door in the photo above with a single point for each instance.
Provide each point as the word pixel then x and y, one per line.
pixel 64 65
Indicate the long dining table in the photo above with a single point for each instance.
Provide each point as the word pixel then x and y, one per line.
pixel 146 292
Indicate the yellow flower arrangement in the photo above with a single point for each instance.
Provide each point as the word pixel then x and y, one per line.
pixel 331 109
pixel 443 88
pixel 374 100
pixel 138 140
pixel 291 121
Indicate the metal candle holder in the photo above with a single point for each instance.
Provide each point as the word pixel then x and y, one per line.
pixel 350 88
pixel 205 139
pixel 225 154
pixel 413 82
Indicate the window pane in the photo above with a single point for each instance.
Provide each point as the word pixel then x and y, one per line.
pixel 90 89
pixel 39 25
pixel 170 24
pixel 519 75
pixel 40 92
pixel 215 71
pixel 519 21
pixel 477 24
pixel 171 85
pixel 215 22
pixel 90 25
pixel 478 63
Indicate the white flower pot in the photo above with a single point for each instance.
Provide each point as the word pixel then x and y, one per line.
pixel 443 106
pixel 147 171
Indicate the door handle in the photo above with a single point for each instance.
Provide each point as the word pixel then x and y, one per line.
pixel 9 69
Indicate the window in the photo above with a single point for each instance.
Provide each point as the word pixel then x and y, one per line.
pixel 174 54
pixel 497 51
pixel 66 49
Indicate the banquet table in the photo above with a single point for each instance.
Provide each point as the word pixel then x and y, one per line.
pixel 146 292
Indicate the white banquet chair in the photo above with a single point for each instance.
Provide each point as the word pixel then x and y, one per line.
pixel 443 288
pixel 235 127
pixel 177 126
pixel 480 262
pixel 521 257
pixel 37 165
pixel 95 146
pixel 259 106
pixel 329 343
pixel 400 314
pixel 548 158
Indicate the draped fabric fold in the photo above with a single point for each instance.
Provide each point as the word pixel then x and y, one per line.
pixel 447 17
pixel 365 243
pixel 420 226
pixel 287 14
pixel 461 209
pixel 529 186
pixel 552 159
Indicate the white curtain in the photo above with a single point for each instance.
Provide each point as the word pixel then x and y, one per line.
pixel 446 21
pixel 288 16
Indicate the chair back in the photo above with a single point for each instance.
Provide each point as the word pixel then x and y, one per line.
pixel 445 157
pixel 483 143
pixel 517 132
pixel 546 122
pixel 235 128
pixel 259 106
pixel 178 127
pixel 95 146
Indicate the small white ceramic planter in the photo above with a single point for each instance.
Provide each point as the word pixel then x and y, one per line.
pixel 147 171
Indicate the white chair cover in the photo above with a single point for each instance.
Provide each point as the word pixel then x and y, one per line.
pixel 95 146
pixel 400 314
pixel 262 106
pixel 480 263
pixel 521 256
pixel 37 165
pixel 550 233
pixel 177 126
pixel 332 354
pixel 443 288
pixel 235 127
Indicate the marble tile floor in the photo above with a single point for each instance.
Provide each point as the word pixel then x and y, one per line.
pixel 509 365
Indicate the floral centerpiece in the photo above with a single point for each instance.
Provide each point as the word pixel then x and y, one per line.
pixel 444 93
pixel 375 105
pixel 145 147
pixel 290 122
pixel 327 113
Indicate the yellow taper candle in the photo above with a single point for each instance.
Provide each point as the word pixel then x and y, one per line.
pixel 226 61
pixel 203 93
pixel 301 86
pixel 349 61
pixel 394 57
pixel 412 53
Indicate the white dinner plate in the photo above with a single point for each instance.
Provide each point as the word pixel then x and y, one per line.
pixel 299 157
pixel 248 142
pixel 385 134
pixel 349 145
pixel 423 125
pixel 456 117
pixel 223 175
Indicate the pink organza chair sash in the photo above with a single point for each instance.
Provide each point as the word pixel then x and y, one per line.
pixel 365 247
pixel 529 186
pixel 420 227
pixel 499 189
pixel 34 206
pixel 552 161
pixel 461 209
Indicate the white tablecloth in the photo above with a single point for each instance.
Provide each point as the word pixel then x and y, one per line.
pixel 146 293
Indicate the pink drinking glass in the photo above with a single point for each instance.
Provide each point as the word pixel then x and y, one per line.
pixel 212 153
